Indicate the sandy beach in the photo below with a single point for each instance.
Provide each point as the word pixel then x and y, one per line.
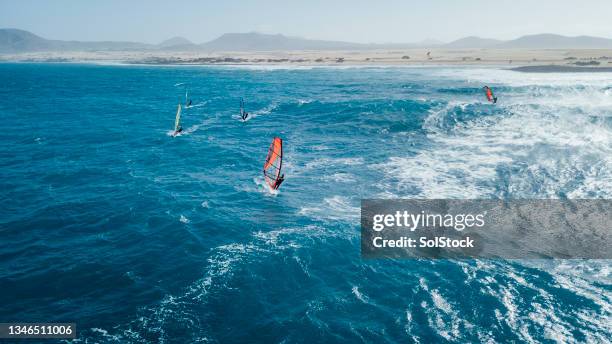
pixel 598 58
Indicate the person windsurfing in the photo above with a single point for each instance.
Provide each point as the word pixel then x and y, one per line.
pixel 279 181
pixel 489 93
pixel 243 114
pixel 273 164
pixel 177 122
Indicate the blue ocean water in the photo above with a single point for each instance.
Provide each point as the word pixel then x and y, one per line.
pixel 109 222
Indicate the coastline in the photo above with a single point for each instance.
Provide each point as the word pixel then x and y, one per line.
pixel 522 60
pixel 561 69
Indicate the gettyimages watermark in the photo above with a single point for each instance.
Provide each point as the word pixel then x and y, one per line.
pixel 513 229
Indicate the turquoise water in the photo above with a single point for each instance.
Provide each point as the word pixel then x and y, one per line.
pixel 109 222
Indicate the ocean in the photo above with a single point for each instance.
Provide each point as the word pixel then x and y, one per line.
pixel 140 237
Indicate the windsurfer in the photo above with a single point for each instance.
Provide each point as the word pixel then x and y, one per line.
pixel 489 94
pixel 177 122
pixel 279 181
pixel 243 114
pixel 272 166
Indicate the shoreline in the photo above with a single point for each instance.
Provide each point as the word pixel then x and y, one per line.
pixel 561 69
pixel 527 61
pixel 527 69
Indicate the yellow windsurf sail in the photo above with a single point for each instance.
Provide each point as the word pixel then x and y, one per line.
pixel 177 122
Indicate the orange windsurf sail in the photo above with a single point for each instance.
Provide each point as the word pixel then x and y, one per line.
pixel 274 162
pixel 489 93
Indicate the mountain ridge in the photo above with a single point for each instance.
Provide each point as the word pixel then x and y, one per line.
pixel 175 41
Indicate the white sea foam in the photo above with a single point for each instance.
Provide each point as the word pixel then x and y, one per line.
pixel 339 177
pixel 265 110
pixel 288 237
pixel 444 319
pixel 197 105
pixel 239 118
pixel 552 137
pixel 541 315
pixel 268 109
pixel 335 208
pixel 261 67
pixel 491 76
pixel 191 129
pixel 330 162
pixel 222 264
pixel 264 188
pixel 104 334
pixel 359 295
pixel 320 147
pixel 185 132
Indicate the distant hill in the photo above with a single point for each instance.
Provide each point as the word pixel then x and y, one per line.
pixel 15 41
pixel 254 41
pixel 551 41
pixel 174 42
pixel 20 41
pixel 472 42
pixel 99 46
pixel 541 41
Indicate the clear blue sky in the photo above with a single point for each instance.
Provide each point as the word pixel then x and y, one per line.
pixel 357 20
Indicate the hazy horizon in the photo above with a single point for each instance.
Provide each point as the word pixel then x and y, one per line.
pixel 351 21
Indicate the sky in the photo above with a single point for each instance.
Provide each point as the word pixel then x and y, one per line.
pixel 383 21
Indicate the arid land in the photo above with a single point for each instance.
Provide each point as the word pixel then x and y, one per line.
pixel 595 58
